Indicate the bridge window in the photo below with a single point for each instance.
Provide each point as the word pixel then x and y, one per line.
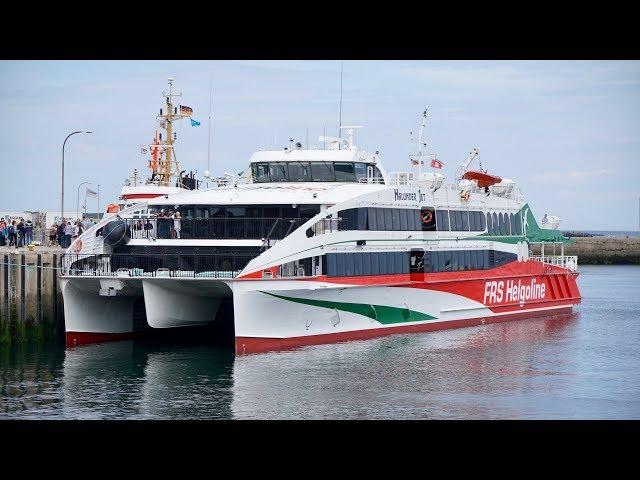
pixel 299 172
pixel 344 172
pixel 322 172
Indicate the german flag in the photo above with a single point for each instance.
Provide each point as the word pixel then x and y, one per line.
pixel 188 111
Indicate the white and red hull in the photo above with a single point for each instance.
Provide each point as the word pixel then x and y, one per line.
pixel 281 314
pixel 276 314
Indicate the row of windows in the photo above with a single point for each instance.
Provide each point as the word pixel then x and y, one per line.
pixel 267 172
pixel 458 260
pixel 370 218
pixel 366 263
pixel 460 221
pixel 239 211
pixel 427 219
pixel 350 264
pixel 504 224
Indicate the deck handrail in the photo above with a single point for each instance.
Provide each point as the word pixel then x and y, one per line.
pixel 570 262
pixel 218 265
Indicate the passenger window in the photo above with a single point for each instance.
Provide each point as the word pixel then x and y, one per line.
pixel 357 263
pixel 494 218
pixel 519 224
pixel 395 218
pixel 465 220
pixel 403 212
pixel 472 221
pixel 388 218
pixel 446 259
pixel 380 218
pixel 366 264
pixel 375 264
pixel 372 219
pixel 349 262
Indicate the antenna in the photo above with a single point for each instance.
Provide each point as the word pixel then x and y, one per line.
pixel 340 115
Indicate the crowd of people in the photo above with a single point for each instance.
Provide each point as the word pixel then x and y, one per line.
pixel 19 233
pixel 64 233
pixel 15 233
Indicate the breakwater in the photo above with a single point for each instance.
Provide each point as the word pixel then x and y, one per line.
pixel 600 250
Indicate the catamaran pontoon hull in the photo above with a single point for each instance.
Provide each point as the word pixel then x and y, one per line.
pixel 278 314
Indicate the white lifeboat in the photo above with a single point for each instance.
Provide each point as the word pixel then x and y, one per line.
pixel 431 180
pixel 503 188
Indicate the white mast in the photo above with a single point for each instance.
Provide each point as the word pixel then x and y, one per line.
pixel 420 144
pixel 340 115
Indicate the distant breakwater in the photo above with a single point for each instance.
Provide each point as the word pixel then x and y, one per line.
pixel 600 250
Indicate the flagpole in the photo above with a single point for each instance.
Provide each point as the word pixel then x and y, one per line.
pixel 78 198
pixel 98 202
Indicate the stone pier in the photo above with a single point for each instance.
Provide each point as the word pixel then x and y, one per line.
pixel 30 301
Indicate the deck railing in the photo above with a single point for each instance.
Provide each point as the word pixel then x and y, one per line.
pixel 570 262
pixel 223 265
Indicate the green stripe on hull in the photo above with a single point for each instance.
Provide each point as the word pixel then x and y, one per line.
pixel 381 313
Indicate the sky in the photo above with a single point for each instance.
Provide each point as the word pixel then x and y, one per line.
pixel 567 132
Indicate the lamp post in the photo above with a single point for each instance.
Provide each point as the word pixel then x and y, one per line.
pixel 78 197
pixel 62 194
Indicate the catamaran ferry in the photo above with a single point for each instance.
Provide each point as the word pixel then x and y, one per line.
pixel 314 246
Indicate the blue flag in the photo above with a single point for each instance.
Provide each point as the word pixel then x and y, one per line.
pixel 194 123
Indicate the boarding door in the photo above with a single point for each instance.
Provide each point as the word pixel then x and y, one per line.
pixel 416 265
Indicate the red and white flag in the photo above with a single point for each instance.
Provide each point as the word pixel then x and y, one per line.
pixel 435 163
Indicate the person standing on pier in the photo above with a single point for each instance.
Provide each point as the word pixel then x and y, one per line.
pixel 21 232
pixel 68 233
pixel 3 232
pixel 13 237
pixel 28 233
pixel 53 233
pixel 61 232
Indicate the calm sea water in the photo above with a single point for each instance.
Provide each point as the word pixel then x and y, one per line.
pixel 584 365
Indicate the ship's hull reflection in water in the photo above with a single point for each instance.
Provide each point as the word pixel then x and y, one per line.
pixel 450 374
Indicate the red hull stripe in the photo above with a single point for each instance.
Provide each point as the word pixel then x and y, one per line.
pixel 76 339
pixel 141 195
pixel 246 345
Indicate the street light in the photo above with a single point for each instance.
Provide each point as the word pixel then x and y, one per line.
pixel 62 194
pixel 78 197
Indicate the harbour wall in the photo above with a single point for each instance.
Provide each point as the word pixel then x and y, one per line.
pixel 600 250
pixel 31 305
